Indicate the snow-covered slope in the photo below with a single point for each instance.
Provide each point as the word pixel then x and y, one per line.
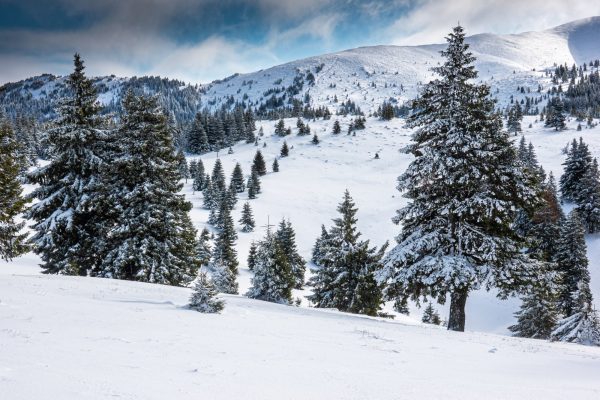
pixel 370 75
pixel 73 338
pixel 367 75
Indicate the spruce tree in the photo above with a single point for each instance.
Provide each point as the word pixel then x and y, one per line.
pixel 336 127
pixel 286 238
pixel 315 139
pixel 588 198
pixel 152 238
pixel 537 316
pixel 252 256
pixel 513 124
pixel 273 280
pixel 68 219
pixel 204 296
pixel 199 177
pixel 218 177
pixel 197 141
pixel 582 325
pixel 579 160
pixel 203 250
pixel 285 151
pixel 12 240
pixel 237 178
pixel 280 128
pixel 345 278
pixel 430 315
pixel 572 262
pixel 224 263
pixel 184 171
pixel 258 164
pixel 555 116
pixel 275 166
pixel 247 220
pixel 464 185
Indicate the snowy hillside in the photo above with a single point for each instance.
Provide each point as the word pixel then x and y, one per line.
pixel 366 76
pixel 80 338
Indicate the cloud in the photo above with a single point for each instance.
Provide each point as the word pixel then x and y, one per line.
pixel 429 21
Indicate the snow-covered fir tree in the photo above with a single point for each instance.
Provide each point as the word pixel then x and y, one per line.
pixel 464 186
pixel 203 249
pixel 582 325
pixel 273 280
pixel 285 151
pixel 577 163
pixel 204 296
pixel 430 315
pixel 197 141
pixel 247 220
pixel 224 264
pixel 199 176
pixel 319 248
pixel 537 316
pixel 588 198
pixel 280 128
pixel 515 116
pixel 336 127
pixel 218 177
pixel 68 219
pixel 237 178
pixel 184 171
pixel 345 278
pixel 253 185
pixel 252 256
pixel 555 114
pixel 151 238
pixel 259 164
pixel 572 262
pixel 286 238
pixel 315 139
pixel 12 203
pixel 275 165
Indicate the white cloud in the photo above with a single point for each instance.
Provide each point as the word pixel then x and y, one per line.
pixel 430 20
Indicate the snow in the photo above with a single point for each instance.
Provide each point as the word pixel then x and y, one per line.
pixel 81 338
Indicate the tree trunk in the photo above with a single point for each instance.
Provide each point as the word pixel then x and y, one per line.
pixel 456 320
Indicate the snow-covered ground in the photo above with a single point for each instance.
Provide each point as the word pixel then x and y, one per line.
pixel 81 338
pixel 84 338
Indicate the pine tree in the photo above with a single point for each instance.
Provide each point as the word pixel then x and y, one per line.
pixel 345 278
pixel 275 166
pixel 286 238
pixel 544 229
pixel 218 177
pixel 430 315
pixel 184 171
pixel 199 176
pixel 572 262
pixel 319 249
pixel 315 139
pixel 464 185
pixel 253 185
pixel 204 297
pixel 203 250
pixel 537 316
pixel 579 160
pixel 258 164
pixel 273 280
pixel 247 220
pixel 280 128
pixel 224 263
pixel 285 151
pixel 152 238
pixel 197 141
pixel 68 220
pixel 555 117
pixel 582 325
pixel 515 117
pixel 588 198
pixel 237 178
pixel 337 129
pixel 252 256
pixel 12 240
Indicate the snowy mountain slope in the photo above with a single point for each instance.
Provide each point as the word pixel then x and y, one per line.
pixel 79 338
pixel 370 75
pixel 367 75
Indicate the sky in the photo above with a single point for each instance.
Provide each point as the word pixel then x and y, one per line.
pixel 198 41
